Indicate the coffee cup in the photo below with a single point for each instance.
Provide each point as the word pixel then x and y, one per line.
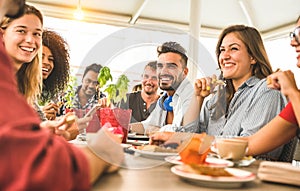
pixel 234 149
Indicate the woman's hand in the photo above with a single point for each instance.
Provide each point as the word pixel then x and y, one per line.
pixel 283 81
pixel 66 126
pixel 204 86
pixel 50 110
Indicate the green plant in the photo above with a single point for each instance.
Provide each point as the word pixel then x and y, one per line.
pixel 115 92
pixel 70 92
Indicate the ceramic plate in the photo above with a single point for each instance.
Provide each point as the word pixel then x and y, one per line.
pixel 126 145
pixel 246 161
pixel 139 137
pixel 154 155
pixel 209 161
pixel 137 142
pixel 239 177
pixel 131 134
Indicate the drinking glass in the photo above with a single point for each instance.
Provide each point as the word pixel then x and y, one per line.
pixel 80 113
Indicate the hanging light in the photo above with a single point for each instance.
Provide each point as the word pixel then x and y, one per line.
pixel 78 13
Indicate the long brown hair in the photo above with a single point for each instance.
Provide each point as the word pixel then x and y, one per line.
pixel 29 76
pixel 255 47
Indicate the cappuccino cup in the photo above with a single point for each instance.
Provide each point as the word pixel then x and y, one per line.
pixel 233 149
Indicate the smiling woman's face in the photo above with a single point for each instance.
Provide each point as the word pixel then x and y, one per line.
pixel 23 39
pixel 234 59
pixel 47 62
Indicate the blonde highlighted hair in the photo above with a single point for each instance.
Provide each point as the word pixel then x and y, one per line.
pixel 29 76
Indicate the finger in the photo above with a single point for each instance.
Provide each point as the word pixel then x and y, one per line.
pixel 159 136
pixel 274 85
pixel 84 119
pixel 269 80
pixel 63 133
pixel 62 121
pixel 47 107
pixel 272 81
pixel 70 119
pixel 102 102
pixel 203 84
pixel 208 83
pixel 50 112
pixel 63 127
pixel 214 78
pixel 54 107
pixel 50 116
pixel 112 169
pixel 198 82
pixel 47 125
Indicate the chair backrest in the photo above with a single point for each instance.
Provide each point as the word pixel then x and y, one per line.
pixel 296 158
pixel 288 150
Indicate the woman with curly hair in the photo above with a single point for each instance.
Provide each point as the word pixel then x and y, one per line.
pixel 55 70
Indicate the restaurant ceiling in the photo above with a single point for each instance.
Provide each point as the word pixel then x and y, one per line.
pixel 273 18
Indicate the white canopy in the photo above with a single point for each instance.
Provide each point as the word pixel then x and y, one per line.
pixel 273 18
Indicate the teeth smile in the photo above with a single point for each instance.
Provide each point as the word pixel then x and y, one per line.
pixel 27 49
pixel 165 79
pixel 45 69
pixel 228 64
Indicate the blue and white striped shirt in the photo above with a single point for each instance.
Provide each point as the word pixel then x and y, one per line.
pixel 252 106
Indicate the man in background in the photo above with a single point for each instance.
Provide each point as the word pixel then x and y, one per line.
pixel 86 94
pixel 143 102
pixel 172 74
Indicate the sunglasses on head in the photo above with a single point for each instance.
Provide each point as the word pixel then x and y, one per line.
pixel 296 35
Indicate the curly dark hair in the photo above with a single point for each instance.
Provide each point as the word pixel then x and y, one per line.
pixel 59 77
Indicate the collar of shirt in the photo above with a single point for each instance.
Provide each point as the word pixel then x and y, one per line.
pixel 91 102
pixel 250 82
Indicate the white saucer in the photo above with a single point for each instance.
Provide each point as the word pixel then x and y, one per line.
pixel 210 161
pixel 154 155
pixel 239 177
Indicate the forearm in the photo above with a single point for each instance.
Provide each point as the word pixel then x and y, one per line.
pixel 97 166
pixel 274 134
pixel 104 150
pixel 193 111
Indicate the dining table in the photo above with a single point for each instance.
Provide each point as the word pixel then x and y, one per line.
pixel 140 173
